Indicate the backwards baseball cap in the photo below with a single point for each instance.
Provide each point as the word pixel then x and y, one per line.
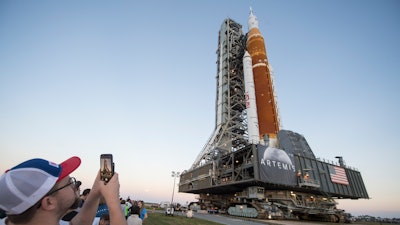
pixel 24 185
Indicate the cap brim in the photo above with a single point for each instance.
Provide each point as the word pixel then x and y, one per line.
pixel 69 166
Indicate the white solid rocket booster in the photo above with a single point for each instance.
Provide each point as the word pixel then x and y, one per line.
pixel 251 107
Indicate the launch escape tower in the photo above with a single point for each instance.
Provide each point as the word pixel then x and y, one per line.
pixel 249 166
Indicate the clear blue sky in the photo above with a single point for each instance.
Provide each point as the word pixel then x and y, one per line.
pixel 137 79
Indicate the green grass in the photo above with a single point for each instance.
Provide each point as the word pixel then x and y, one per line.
pixel 162 219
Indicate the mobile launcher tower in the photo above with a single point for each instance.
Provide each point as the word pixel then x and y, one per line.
pixel 250 167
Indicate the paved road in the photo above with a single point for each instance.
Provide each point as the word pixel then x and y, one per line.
pixel 238 221
pixel 227 220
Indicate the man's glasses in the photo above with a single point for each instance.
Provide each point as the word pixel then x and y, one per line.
pixel 72 181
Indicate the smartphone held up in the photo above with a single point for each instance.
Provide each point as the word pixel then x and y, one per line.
pixel 106 167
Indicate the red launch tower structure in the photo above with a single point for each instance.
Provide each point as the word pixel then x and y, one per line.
pixel 250 166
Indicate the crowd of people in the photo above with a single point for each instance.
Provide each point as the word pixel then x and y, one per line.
pixel 39 191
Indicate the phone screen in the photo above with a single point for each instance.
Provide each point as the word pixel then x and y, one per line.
pixel 106 167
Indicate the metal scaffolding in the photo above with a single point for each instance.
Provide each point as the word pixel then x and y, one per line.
pixel 230 132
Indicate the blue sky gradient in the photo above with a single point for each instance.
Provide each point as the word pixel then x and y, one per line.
pixel 137 79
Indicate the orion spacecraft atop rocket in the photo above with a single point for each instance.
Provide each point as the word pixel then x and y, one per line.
pixel 250 166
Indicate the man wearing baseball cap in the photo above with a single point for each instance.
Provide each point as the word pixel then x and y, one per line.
pixel 38 191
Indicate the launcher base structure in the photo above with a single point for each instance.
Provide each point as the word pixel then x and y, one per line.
pixel 250 167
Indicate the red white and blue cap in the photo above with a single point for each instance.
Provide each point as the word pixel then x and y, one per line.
pixel 24 185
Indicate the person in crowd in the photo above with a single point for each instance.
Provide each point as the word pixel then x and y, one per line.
pixel 134 219
pixel 104 219
pixel 83 196
pixel 122 205
pixel 128 205
pixel 38 192
pixel 189 213
pixel 2 214
pixel 143 211
pixel 102 209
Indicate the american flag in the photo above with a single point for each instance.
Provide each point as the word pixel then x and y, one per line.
pixel 338 175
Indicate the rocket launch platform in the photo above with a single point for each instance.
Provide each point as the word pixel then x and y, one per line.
pixel 250 166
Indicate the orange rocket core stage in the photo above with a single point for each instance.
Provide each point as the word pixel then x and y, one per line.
pixel 266 108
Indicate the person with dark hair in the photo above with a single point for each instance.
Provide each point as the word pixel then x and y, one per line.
pixel 2 214
pixel 83 196
pixel 134 219
pixel 38 192
pixel 104 219
pixel 143 211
